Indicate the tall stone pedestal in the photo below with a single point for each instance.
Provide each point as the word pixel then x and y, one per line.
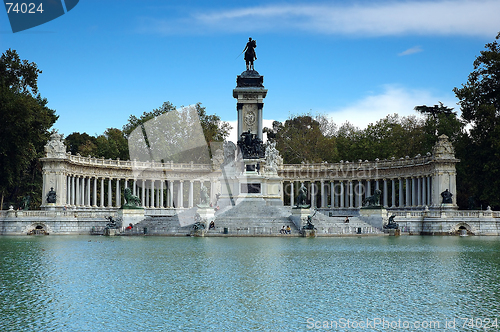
pixel 131 216
pixel 376 217
pixel 299 217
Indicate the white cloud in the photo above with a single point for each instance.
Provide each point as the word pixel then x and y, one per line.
pixel 393 99
pixel 413 50
pixel 381 18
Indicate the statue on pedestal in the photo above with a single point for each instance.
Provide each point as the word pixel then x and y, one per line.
pixel 250 55
pixel 447 197
pixel 301 198
pixel 131 201
pixel 51 196
pixel 374 200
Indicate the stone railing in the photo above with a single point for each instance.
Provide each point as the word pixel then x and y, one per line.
pixel 359 165
pixel 448 213
pixel 117 163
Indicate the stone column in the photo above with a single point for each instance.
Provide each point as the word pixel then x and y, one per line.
pixel 393 193
pixel 323 198
pixel 351 196
pixel 190 197
pixel 429 196
pixel 102 193
pixel 152 194
pixel 143 193
pixel 332 194
pixel 419 191
pixel 368 192
pixel 110 193
pixel 292 194
pixel 68 190
pixel 118 197
pixel 360 194
pixel 424 191
pixel 401 196
pixel 94 198
pixel 162 205
pixel 180 194
pixel 385 193
pixel 73 190
pixel 81 194
pixel 213 194
pixel 341 194
pixel 413 192
pixel 408 197
pixel 170 194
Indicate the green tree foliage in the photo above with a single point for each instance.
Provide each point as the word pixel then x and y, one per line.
pixel 25 121
pixel 179 125
pixel 300 139
pixel 479 101
pixel 76 141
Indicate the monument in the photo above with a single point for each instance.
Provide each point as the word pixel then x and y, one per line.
pixel 251 190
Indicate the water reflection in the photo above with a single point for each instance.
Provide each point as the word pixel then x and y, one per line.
pixel 241 284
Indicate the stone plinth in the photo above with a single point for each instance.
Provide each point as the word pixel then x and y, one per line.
pixel 376 217
pixel 308 233
pixel 110 232
pixel 299 217
pixel 131 216
pixel 206 213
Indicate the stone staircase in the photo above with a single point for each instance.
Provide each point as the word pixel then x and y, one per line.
pixel 251 218
pixel 331 226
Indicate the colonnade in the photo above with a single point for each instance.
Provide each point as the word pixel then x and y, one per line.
pixel 415 191
pixel 102 192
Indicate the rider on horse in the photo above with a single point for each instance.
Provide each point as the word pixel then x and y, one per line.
pixel 250 55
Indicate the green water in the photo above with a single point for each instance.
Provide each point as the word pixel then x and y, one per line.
pixel 67 283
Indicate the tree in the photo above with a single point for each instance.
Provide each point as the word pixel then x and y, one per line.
pixel 301 139
pixel 175 136
pixel 479 101
pixel 78 143
pixel 25 121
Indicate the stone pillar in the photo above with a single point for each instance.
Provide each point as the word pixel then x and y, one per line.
pixel 424 191
pixel 401 196
pixel 190 198
pixel 250 94
pixel 341 194
pixel 359 194
pixel 180 194
pixel 408 197
pixel 162 205
pixel 323 198
pixel 117 193
pixel 152 194
pixel 292 194
pixel 413 192
pixel 419 191
pixel 393 193
pixel 73 191
pixel 68 190
pixel 429 196
pixel 332 194
pixel 82 190
pixel 170 193
pixel 368 192
pixel 143 193
pixel 94 198
pixel 351 196
pixel 110 193
pixel 385 193
pixel 102 193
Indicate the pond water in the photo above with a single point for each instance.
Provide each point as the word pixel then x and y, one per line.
pixel 83 283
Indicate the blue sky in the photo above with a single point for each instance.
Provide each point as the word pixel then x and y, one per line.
pixel 354 61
